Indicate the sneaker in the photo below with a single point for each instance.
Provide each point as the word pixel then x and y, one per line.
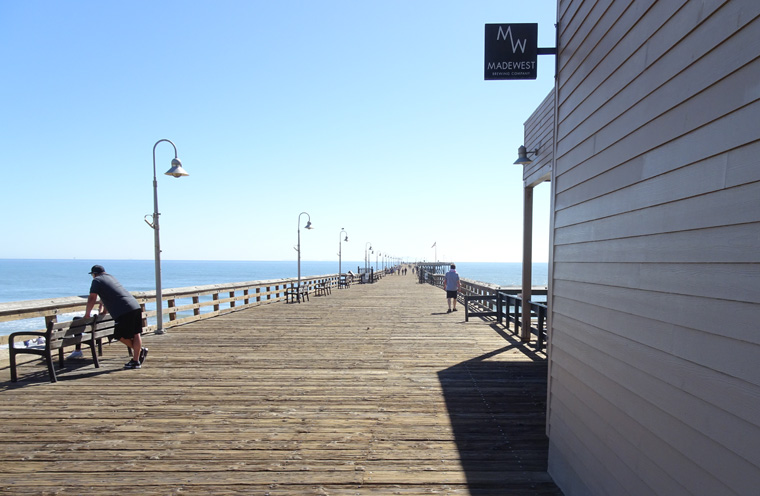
pixel 448 311
pixel 454 310
pixel 132 365
pixel 143 354
pixel 76 355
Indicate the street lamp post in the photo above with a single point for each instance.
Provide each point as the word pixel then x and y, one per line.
pixel 366 267
pixel 340 240
pixel 307 226
pixel 176 171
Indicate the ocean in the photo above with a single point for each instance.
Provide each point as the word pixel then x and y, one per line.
pixel 37 279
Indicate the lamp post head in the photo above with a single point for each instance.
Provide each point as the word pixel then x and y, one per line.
pixel 308 225
pixel 346 239
pixel 176 170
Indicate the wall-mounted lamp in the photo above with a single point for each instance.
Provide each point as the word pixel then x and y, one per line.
pixel 522 155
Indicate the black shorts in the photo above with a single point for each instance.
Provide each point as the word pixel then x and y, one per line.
pixel 451 294
pixel 128 325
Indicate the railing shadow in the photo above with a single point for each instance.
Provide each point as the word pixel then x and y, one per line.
pixel 497 407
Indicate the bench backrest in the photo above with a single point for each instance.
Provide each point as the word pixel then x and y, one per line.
pixel 75 331
pixel 102 326
pixel 64 333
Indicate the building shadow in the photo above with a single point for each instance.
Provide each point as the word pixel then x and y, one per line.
pixel 497 408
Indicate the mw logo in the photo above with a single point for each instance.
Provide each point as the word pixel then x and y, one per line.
pixel 516 43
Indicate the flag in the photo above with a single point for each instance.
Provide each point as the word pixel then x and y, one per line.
pixel 434 244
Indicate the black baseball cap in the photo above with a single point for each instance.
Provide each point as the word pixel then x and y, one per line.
pixel 97 269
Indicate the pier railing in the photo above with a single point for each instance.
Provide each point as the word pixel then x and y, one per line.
pixel 482 299
pixel 180 305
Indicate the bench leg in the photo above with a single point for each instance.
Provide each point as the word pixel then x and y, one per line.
pixel 51 368
pixel 12 355
pixel 94 354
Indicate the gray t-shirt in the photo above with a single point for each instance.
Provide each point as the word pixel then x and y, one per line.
pixel 117 300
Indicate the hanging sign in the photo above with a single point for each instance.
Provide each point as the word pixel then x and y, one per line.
pixel 511 51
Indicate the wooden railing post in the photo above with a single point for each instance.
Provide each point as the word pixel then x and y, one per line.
pixel 171 304
pixel 499 307
pixel 541 320
pixel 518 323
pixel 145 318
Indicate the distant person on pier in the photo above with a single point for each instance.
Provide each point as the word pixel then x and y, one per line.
pixel 452 285
pixel 124 309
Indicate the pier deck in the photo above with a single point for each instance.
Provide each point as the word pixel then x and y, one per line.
pixel 373 389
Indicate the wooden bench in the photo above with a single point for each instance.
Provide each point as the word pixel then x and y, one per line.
pixel 322 288
pixel 482 309
pixel 59 335
pixel 293 295
pixel 343 282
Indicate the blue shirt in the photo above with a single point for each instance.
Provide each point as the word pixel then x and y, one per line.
pixel 452 281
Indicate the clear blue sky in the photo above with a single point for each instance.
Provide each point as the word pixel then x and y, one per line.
pixel 370 116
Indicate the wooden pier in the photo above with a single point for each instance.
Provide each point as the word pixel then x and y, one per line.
pixel 373 389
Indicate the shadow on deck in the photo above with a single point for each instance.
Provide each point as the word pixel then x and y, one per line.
pixel 498 416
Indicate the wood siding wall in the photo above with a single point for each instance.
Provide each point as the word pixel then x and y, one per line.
pixel 655 343
pixel 539 133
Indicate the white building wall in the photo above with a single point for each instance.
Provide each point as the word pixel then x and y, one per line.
pixel 655 338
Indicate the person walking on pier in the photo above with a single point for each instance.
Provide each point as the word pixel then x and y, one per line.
pixel 452 285
pixel 124 309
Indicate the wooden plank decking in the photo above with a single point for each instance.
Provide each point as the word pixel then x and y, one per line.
pixel 371 390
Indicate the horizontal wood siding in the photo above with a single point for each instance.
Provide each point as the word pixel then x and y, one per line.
pixel 654 385
pixel 539 134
